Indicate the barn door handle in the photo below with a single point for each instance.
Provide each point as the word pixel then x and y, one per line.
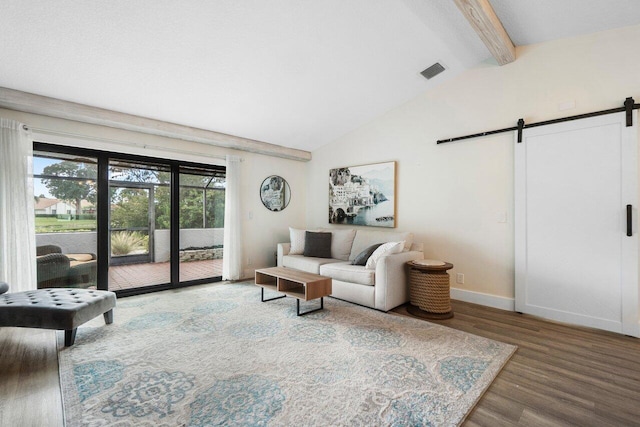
pixel 629 213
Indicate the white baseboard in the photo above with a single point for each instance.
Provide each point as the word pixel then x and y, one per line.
pixel 483 299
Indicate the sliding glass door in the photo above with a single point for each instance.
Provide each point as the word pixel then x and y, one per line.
pixel 127 223
pixel 65 190
pixel 201 223
pixel 139 224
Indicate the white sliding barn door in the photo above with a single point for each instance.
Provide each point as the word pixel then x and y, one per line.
pixel 574 261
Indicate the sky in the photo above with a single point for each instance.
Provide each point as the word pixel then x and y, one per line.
pixel 39 164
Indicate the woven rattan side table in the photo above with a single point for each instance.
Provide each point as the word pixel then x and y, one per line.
pixel 429 289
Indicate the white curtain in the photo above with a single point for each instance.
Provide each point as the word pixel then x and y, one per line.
pixel 232 259
pixel 17 229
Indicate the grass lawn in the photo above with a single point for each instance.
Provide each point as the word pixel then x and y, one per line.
pixel 55 225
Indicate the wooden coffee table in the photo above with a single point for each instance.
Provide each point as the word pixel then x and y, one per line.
pixel 294 283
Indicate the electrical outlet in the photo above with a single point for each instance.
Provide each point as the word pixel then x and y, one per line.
pixel 248 260
pixel 460 278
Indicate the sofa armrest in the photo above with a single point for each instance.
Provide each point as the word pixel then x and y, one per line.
pixel 391 287
pixel 52 270
pixel 283 249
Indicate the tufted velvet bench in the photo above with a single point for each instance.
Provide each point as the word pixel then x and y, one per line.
pixel 56 308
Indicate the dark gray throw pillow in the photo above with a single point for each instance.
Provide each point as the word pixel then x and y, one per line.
pixel 362 257
pixel 317 244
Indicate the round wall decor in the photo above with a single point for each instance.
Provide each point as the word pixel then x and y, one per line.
pixel 275 193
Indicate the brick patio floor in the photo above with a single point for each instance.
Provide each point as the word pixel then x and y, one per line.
pixel 141 275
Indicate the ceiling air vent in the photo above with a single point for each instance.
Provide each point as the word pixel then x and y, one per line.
pixel 432 71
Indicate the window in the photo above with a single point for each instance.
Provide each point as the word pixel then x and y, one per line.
pixel 124 220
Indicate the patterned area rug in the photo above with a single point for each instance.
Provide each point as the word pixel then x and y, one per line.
pixel 215 355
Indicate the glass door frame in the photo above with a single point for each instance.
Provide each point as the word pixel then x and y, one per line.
pixel 103 208
pixel 211 176
pixel 148 257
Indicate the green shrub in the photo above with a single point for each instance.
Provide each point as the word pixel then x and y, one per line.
pixel 83 217
pixel 125 242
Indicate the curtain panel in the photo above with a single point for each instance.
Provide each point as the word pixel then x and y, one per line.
pixel 17 223
pixel 232 259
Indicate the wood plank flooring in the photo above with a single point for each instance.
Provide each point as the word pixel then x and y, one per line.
pixel 29 382
pixel 560 375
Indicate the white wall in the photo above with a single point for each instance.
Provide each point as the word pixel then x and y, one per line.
pixel 452 196
pixel 261 228
pixel 70 243
pixel 62 208
pixel 189 237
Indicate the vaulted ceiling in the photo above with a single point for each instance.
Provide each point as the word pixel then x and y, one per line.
pixel 295 73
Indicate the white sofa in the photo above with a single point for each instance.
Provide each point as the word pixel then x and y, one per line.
pixel 383 287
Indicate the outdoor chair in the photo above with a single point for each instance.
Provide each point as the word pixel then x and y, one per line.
pixel 58 270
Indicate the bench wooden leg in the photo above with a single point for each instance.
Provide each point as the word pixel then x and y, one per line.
pixel 108 317
pixel 70 337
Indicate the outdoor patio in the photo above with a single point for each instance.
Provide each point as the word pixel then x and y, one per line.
pixel 131 276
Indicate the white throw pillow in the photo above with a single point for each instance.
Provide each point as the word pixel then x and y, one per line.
pixel 341 241
pixel 384 250
pixel 365 238
pixel 297 241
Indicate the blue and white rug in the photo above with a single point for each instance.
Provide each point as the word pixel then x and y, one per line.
pixel 215 355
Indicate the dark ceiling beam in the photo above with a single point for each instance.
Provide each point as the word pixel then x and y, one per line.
pixel 486 23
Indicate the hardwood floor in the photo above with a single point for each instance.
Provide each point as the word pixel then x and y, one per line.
pixel 560 375
pixel 29 383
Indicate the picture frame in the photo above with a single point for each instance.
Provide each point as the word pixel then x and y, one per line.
pixel 363 195
pixel 275 193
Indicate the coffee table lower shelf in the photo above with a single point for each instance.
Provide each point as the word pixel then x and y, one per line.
pixel 297 284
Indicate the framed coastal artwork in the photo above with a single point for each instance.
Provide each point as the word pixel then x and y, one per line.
pixel 363 195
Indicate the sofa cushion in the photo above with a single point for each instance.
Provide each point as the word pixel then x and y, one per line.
pixel 317 244
pixel 386 249
pixel 341 242
pixel 366 238
pixel 54 308
pixel 362 257
pixel 304 263
pixel 73 264
pixel 346 272
pixel 80 257
pixel 297 241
